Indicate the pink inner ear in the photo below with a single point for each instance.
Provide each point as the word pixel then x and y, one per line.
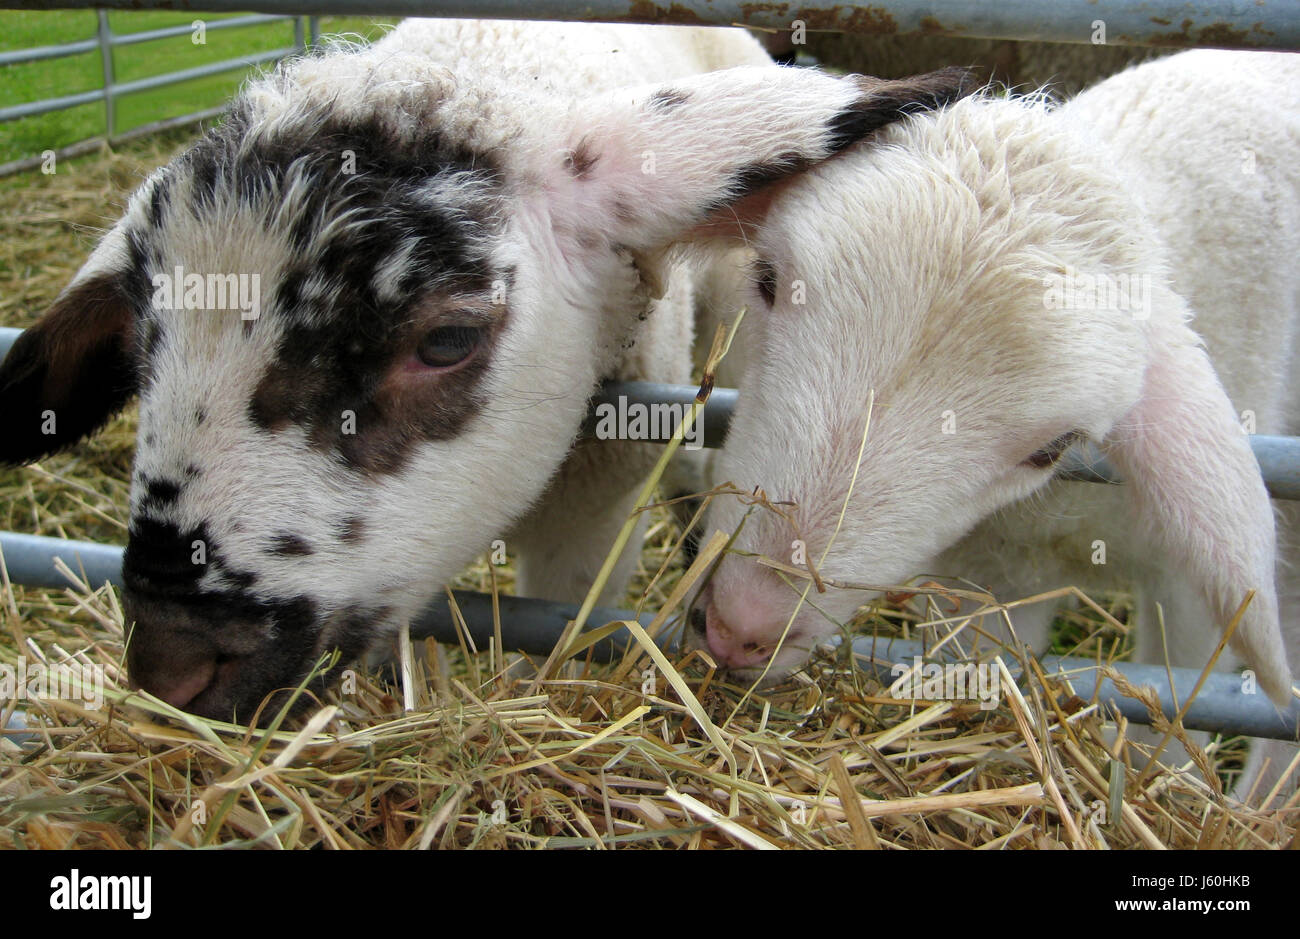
pixel 740 220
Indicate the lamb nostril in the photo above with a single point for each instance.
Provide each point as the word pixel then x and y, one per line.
pixel 698 621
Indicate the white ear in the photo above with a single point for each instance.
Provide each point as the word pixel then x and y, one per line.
pixel 642 166
pixel 1198 490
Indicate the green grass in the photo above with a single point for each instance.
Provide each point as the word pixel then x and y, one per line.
pixel 55 77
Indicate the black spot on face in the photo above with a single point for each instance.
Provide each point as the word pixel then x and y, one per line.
pixel 666 99
pixel 143 256
pixel 352 530
pixel 698 620
pixel 158 201
pixel 242 579
pixel 340 338
pixel 290 291
pixel 359 398
pixel 287 544
pixel 160 558
pixel 765 279
pixel 160 494
pixel 356 628
pixel 200 417
pixel 151 338
pixel 624 212
pixel 580 162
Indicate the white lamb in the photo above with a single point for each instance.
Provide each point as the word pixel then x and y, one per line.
pixel 1007 277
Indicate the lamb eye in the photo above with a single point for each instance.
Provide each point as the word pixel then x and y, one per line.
pixel 448 345
pixel 1050 454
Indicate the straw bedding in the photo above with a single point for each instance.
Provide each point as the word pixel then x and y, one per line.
pixel 643 752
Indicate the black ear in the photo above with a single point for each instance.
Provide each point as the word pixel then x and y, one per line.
pixel 879 103
pixel 890 100
pixel 68 374
pixel 644 166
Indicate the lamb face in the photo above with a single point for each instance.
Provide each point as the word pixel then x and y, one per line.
pixel 310 468
pixel 951 268
pixel 433 270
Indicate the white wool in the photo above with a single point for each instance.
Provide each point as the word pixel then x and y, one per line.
pixel 927 258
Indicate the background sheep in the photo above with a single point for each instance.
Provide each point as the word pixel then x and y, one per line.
pixel 1065 68
pixel 933 262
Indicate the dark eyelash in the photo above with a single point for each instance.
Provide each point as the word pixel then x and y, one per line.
pixel 765 278
pixel 1050 454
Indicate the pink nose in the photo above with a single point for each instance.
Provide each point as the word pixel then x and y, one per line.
pixel 734 648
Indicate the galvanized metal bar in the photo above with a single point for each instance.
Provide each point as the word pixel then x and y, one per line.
pixel 105 35
pixel 30 560
pixel 632 396
pixel 200 71
pixel 1258 24
pixel 313 23
pixel 42 53
pixel 94 143
pixel 1223 705
pixel 167 32
pixel 46 105
pixel 8 335
pixel 1278 457
pixel 534 626
pixel 63 50
pixel 63 153
pixel 105 41
pixel 112 91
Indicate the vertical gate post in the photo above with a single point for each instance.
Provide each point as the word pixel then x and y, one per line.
pixel 106 55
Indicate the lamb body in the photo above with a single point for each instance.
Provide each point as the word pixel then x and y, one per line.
pixel 946 267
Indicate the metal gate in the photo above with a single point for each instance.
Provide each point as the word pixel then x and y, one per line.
pixel 106 41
